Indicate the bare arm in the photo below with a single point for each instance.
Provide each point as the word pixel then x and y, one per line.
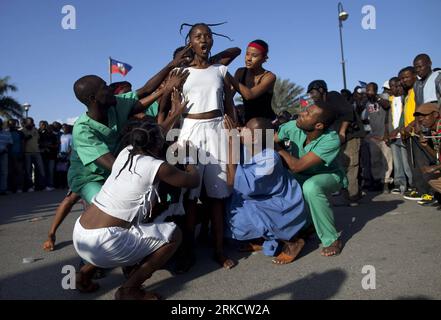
pixel 144 103
pixel 154 83
pixel 299 165
pixel 106 161
pixel 226 57
pixel 228 103
pixel 342 132
pixel 178 178
pixel 385 104
pixel 178 107
pixel 267 84
pixel 176 81
pixel 232 156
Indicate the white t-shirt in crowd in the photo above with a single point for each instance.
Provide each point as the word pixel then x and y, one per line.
pixel 204 88
pixel 65 143
pixel 125 196
pixel 397 109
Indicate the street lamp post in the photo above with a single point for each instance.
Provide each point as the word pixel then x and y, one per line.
pixel 342 16
pixel 26 107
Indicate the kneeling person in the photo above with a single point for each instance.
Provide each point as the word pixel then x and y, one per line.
pixel 267 201
pixel 312 157
pixel 110 233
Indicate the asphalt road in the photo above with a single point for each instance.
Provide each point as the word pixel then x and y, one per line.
pixel 398 238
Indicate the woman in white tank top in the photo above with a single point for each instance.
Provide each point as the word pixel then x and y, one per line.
pixel 209 98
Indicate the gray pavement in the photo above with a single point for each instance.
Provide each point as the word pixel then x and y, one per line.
pixel 400 239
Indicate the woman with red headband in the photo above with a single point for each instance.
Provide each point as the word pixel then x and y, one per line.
pixel 254 83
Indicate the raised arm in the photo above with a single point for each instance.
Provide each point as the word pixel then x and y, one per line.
pixel 178 107
pixel 265 85
pixel 154 83
pixel 176 81
pixel 144 103
pixel 226 57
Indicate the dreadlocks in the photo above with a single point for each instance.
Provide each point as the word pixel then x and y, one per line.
pixel 144 139
pixel 200 24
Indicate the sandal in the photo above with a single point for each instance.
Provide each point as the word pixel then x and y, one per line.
pixel 250 247
pixel 290 251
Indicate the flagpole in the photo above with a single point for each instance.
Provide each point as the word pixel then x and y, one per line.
pixel 110 69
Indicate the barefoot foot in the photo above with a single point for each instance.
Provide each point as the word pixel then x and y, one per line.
pixel 333 250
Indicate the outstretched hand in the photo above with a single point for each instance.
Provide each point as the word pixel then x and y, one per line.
pixel 182 57
pixel 229 123
pixel 178 104
pixel 177 79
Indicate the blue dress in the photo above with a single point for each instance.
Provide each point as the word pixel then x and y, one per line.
pixel 266 202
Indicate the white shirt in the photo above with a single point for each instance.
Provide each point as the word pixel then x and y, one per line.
pixel 133 190
pixel 65 143
pixel 204 89
pixel 397 109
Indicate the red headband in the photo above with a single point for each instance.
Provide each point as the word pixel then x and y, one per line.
pixel 258 47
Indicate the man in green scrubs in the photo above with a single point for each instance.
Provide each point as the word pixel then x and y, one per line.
pixel 96 133
pixel 312 157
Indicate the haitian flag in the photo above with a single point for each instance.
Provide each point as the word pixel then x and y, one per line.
pixel 119 67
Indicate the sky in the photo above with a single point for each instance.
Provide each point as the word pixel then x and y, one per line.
pixel 44 60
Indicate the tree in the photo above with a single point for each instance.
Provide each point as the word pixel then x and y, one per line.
pixel 9 107
pixel 285 95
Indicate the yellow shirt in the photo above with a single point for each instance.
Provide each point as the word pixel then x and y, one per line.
pixel 409 107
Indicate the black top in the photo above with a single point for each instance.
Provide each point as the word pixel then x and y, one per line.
pixel 259 107
pixel 341 107
pixel 48 144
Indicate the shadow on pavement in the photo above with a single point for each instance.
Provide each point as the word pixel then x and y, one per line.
pixel 317 286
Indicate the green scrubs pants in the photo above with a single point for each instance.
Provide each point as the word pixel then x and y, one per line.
pixel 316 190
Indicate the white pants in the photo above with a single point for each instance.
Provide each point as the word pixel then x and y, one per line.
pixel 117 247
pixel 206 135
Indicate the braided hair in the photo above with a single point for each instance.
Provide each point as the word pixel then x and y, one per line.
pixel 145 139
pixel 201 24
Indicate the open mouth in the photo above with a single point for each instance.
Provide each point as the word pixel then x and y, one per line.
pixel 204 48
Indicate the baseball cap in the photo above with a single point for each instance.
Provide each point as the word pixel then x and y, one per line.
pixel 317 84
pixel 425 109
pixel 386 85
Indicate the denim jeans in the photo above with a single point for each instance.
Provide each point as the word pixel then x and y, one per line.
pixel 16 172
pixel 36 160
pixel 402 168
pixel 49 169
